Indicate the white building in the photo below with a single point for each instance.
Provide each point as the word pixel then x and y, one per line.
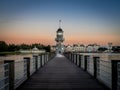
pixel 34 50
pixel 92 48
pixel 53 48
pixel 79 48
pixel 69 48
pixel 75 48
pixel 82 48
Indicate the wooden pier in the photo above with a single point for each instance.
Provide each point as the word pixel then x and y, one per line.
pixel 61 74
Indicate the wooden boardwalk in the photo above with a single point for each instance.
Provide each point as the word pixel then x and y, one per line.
pixel 61 74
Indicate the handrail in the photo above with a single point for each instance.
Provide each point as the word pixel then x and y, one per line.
pixel 107 72
pixel 20 71
pixel 4 76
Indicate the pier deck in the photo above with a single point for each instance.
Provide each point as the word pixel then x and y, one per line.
pixel 61 74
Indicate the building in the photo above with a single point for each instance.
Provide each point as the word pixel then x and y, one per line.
pixel 75 48
pixel 116 49
pixel 82 48
pixel 92 48
pixel 53 48
pixel 68 48
pixel 34 50
pixel 59 40
pixel 78 48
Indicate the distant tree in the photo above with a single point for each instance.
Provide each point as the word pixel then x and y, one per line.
pixel 39 46
pixel 102 49
pixel 25 46
pixel 47 48
pixel 13 47
pixel 116 49
pixel 17 47
pixel 3 46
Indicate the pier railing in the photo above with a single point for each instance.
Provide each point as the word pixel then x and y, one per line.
pixel 4 77
pixel 105 71
pixel 14 73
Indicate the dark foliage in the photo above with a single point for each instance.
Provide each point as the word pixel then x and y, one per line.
pixel 116 49
pixel 3 46
pixel 12 47
pixel 102 49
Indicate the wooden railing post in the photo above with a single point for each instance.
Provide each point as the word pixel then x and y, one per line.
pixel 71 57
pixel 114 74
pixel 85 63
pixel 44 58
pixel 47 57
pixel 36 62
pixel 41 60
pixel 11 73
pixel 50 55
pixel 79 60
pixel 28 66
pixel 95 65
pixel 76 59
pixel 40 55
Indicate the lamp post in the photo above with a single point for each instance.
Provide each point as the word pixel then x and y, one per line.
pixel 110 47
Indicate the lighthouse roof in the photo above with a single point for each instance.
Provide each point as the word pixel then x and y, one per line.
pixel 59 30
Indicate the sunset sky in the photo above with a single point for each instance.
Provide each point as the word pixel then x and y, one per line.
pixel 83 21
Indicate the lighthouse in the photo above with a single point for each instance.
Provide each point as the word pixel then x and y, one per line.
pixel 59 40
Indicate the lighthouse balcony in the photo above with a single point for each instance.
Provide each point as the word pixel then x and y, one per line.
pixel 59 39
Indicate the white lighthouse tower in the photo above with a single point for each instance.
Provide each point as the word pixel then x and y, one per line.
pixel 59 40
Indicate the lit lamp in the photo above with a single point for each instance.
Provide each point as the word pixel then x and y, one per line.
pixel 59 33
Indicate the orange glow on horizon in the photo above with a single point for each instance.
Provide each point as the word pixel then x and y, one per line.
pixel 68 40
pixel 46 36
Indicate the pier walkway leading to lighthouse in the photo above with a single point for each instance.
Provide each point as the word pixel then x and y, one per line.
pixel 61 74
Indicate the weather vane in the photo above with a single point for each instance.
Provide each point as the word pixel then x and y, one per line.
pixel 59 23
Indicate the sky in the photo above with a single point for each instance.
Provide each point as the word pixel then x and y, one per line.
pixel 83 21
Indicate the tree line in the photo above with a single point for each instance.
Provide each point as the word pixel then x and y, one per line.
pixel 4 47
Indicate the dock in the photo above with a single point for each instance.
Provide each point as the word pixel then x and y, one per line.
pixel 61 74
